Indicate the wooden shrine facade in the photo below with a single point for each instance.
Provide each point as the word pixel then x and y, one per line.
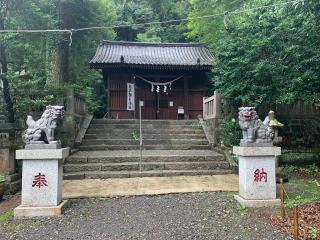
pixel 169 79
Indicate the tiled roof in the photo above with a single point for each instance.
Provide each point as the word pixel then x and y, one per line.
pixel 152 55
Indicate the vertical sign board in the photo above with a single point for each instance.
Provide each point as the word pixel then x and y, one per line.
pixel 130 96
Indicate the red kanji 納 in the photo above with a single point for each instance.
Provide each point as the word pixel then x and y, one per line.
pixel 260 176
pixel 40 181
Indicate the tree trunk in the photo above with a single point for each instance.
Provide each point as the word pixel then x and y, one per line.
pixel 58 64
pixel 4 78
pixel 58 56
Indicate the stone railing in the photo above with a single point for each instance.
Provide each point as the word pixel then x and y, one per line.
pixel 75 103
pixel 211 106
pixel 211 115
pixel 208 107
pixel 75 118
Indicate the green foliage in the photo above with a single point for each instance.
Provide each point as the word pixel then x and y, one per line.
pixel 288 170
pixel 308 170
pixel 4 217
pixel 135 135
pixel 209 30
pixel 226 228
pixel 196 124
pixel 306 191
pixel 311 170
pixel 264 55
pixel 230 133
pixel 243 210
pixel 142 11
pixel 313 233
pixel 2 178
pixel 33 59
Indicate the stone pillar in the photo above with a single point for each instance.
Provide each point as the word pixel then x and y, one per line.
pixel 217 104
pixel 8 166
pixel 41 182
pixel 257 176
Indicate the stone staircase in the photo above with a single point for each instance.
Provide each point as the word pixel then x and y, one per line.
pixel 110 149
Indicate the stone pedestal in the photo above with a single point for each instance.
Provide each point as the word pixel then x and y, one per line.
pixel 257 176
pixel 42 175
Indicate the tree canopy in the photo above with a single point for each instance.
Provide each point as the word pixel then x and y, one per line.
pixel 266 55
pixel 263 54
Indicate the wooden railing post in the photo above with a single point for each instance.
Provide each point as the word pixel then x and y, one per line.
pixel 204 112
pixel 296 222
pixel 282 198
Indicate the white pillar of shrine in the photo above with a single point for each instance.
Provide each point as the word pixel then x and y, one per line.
pixel 257 176
pixel 42 182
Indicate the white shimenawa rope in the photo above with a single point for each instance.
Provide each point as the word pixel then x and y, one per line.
pixel 158 84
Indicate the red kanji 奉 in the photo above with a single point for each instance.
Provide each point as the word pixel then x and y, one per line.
pixel 40 181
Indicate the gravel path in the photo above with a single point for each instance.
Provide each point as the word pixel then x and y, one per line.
pixel 212 215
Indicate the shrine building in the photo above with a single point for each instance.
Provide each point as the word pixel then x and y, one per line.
pixel 170 79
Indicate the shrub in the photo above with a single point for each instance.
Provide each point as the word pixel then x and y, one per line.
pixel 230 132
pixel 2 178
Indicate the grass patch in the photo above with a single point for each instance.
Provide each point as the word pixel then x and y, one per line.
pixel 302 191
pixel 308 170
pixel 18 225
pixel 6 216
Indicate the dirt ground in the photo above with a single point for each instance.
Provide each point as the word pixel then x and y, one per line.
pixel 208 215
pixel 211 215
pixel 303 191
pixel 9 202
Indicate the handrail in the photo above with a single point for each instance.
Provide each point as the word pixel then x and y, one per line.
pixel 208 107
pixel 211 106
pixel 76 103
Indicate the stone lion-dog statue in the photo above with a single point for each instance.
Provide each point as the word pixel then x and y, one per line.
pixel 43 131
pixel 254 131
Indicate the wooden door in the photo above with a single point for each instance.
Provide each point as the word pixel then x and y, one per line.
pixel 143 92
pixel 157 105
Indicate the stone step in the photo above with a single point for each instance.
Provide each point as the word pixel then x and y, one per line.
pixel 147 156
pixel 155 122
pixel 128 174
pixel 111 149
pixel 131 141
pixel 144 147
pixel 145 166
pixel 130 132
pixel 149 136
pixel 145 126
pixel 120 159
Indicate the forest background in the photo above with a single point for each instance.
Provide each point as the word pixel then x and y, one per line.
pixel 265 50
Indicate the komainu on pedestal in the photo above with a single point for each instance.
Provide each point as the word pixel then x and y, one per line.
pixel 254 131
pixel 43 131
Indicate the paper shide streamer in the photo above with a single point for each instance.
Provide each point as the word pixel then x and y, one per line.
pixel 158 85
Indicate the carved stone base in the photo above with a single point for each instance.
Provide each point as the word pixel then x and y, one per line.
pixel 42 146
pixel 257 176
pixel 41 181
pixel 21 212
pixel 256 144
pixel 257 202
